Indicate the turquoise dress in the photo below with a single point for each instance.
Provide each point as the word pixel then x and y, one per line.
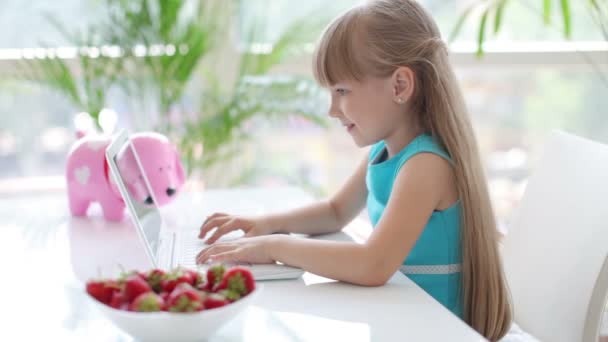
pixel 434 263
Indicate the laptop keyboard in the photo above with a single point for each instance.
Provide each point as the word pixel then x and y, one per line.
pixel 192 245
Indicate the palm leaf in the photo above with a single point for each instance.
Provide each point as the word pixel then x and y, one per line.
pixel 599 12
pixel 565 4
pixel 165 22
pixel 461 20
pixel 297 33
pixel 547 11
pixel 84 86
pixel 498 16
pixel 482 33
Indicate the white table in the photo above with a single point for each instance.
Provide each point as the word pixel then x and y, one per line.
pixel 46 255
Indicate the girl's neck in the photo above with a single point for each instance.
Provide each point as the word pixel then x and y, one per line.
pixel 400 138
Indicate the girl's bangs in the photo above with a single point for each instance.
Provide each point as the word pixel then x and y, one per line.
pixel 335 58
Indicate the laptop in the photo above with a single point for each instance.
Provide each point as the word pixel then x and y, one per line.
pixel 168 246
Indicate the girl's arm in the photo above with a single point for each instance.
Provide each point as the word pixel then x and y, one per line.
pixel 420 187
pixel 327 216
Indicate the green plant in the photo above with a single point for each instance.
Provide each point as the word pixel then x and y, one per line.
pixel 496 9
pixel 226 103
pixel 161 45
pixel 181 35
pixel 219 130
pixel 85 83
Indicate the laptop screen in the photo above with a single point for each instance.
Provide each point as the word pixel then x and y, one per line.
pixel 131 179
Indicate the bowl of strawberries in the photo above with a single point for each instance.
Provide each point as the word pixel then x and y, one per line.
pixel 174 305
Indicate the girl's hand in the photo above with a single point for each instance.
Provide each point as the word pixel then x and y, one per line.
pixel 255 250
pixel 226 223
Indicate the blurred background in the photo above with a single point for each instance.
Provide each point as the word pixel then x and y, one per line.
pixel 230 83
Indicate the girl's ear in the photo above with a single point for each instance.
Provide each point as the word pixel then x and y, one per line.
pixel 403 84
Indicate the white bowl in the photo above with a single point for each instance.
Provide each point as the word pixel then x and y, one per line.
pixel 175 327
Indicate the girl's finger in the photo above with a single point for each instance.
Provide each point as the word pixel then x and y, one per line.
pixel 203 256
pixel 212 223
pixel 230 256
pixel 214 215
pixel 223 229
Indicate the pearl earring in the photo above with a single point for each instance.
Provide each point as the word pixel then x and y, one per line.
pixel 399 100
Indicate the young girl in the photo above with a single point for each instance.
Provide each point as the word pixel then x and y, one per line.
pixel 392 87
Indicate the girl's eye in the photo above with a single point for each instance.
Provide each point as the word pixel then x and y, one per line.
pixel 341 91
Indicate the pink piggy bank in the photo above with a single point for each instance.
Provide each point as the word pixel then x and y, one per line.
pixel 89 180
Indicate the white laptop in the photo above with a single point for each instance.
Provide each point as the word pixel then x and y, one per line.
pixel 168 247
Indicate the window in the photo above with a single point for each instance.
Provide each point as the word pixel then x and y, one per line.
pixel 522 20
pixel 23 24
pixel 514 99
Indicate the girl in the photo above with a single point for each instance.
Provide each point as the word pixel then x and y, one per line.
pixel 392 87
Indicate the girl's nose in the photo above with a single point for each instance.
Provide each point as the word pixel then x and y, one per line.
pixel 334 111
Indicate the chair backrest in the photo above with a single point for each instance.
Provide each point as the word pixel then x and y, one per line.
pixel 556 249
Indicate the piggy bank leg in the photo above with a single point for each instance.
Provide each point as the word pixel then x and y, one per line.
pixel 78 205
pixel 113 209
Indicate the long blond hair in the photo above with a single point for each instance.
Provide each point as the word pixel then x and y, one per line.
pixel 373 40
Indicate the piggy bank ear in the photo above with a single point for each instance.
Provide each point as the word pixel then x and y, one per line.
pixel 179 169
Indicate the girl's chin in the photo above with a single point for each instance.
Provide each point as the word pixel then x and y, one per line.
pixel 360 142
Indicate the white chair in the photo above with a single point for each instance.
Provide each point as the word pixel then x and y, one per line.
pixel 555 252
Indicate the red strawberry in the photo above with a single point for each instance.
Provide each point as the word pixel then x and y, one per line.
pixel 154 278
pixel 214 300
pixel 184 298
pixel 165 297
pixel 134 286
pixel 215 274
pixel 175 277
pixel 195 276
pixel 202 286
pixel 147 302
pixel 238 279
pixel 119 301
pixel 230 295
pixel 102 290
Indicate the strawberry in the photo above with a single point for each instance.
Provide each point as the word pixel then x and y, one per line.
pixel 230 295
pixel 165 297
pixel 214 300
pixel 214 274
pixel 195 276
pixel 102 290
pixel 238 279
pixel 134 286
pixel 174 278
pixel 154 278
pixel 202 287
pixel 147 302
pixel 119 301
pixel 184 298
